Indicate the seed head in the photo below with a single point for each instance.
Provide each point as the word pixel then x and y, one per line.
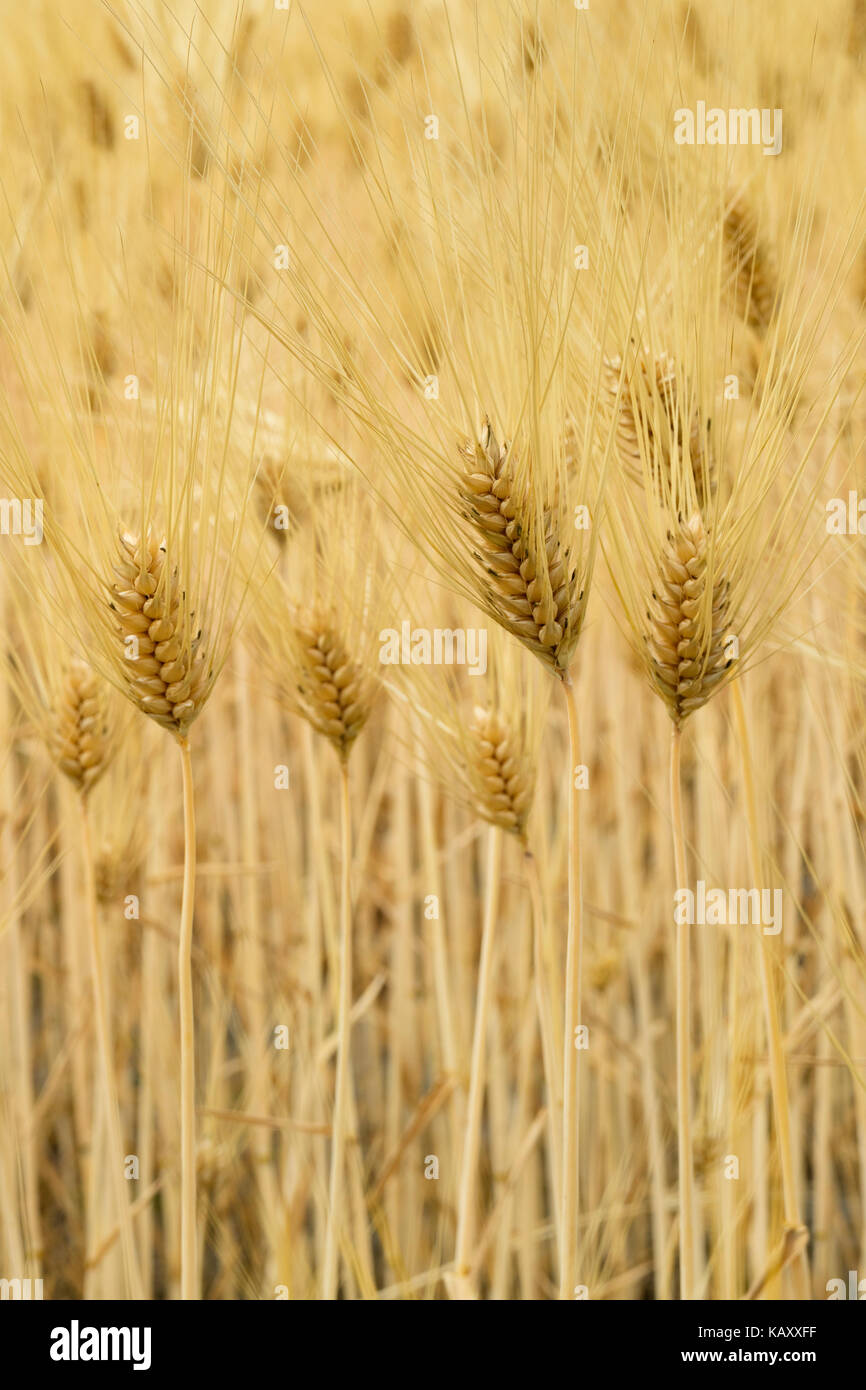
pixel 165 672
pixel 334 692
pixel 500 772
pixel 523 565
pixel 687 622
pixel 79 729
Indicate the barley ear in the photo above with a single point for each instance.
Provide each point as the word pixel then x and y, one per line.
pixel 501 774
pixel 686 638
pixel 166 675
pixel 336 694
pixel 79 740
pixel 523 565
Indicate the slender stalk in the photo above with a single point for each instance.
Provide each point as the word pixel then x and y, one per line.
pixel 684 1103
pixel 568 1214
pixel 775 1041
pixel 103 1036
pixel 552 1077
pixel 146 1127
pixel 730 1259
pixel 463 1288
pixel 95 1222
pixel 323 946
pixel 188 1251
pixel 344 1028
pixel 253 961
pixel 628 737
pixel 439 951
pixel 78 984
pixel 16 976
pixel 399 1016
pixel 251 942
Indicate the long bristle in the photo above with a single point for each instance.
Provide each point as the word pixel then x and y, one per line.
pixel 753 264
pixel 650 424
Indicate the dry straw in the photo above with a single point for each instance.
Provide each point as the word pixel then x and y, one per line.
pixel 690 566
pixel 69 705
pixel 144 566
pixel 481 733
pixel 315 630
pixel 493 315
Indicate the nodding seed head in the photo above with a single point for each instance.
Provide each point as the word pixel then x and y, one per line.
pixel 167 677
pixel 527 585
pixel 686 635
pixel 334 691
pixel 500 772
pixel 79 732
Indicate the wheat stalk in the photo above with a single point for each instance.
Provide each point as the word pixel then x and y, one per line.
pixel 314 627
pixel 688 661
pixel 524 571
pixel 795 1230
pixel 79 739
pixel 530 587
pixel 501 776
pixel 463 1288
pixel 169 680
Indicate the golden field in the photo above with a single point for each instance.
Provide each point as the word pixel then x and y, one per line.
pixel 434 649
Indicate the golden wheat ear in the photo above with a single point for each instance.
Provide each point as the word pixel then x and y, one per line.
pixel 336 692
pixel 753 264
pixel 523 565
pixel 687 623
pixel 78 731
pixel 165 673
pixel 500 771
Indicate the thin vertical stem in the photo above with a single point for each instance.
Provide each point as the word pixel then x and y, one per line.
pixel 776 1045
pixel 251 943
pixel 683 983
pixel 548 1053
pixel 439 952
pixel 188 1252
pixel 568 1218
pixel 103 1037
pixel 344 1027
pixel 472 1139
pixel 16 978
pixel 628 735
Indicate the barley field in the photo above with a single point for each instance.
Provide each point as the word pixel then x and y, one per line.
pixel 433 649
